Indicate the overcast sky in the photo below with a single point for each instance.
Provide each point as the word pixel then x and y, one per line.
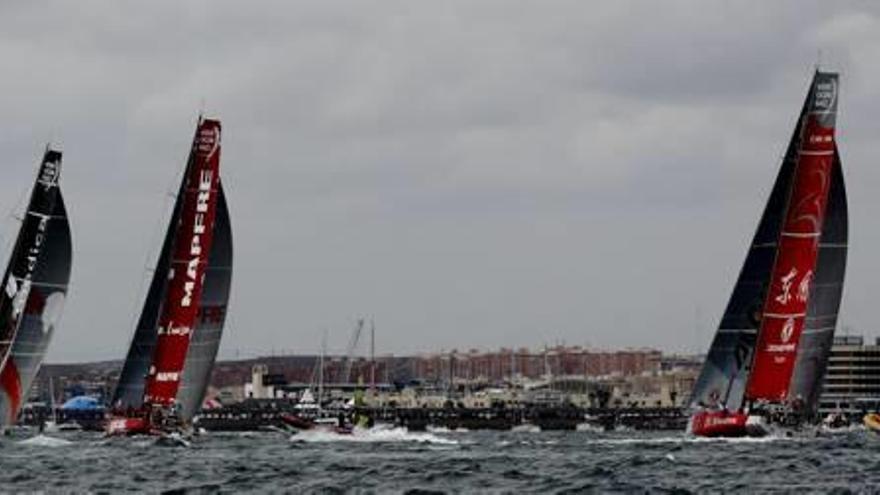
pixel 470 174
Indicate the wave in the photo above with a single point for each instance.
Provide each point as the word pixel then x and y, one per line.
pixel 45 441
pixel 368 435
pixel 686 439
pixel 589 427
pixel 444 429
pixel 526 428
pixel 843 429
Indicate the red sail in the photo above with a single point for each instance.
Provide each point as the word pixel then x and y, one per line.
pixel 786 302
pixel 192 243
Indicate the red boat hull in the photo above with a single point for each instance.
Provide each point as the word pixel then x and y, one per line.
pixel 121 426
pixel 719 424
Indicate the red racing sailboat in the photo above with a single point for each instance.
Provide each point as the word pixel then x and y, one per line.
pixel 769 355
pixel 169 362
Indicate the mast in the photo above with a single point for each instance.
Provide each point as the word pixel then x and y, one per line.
pixel 321 369
pixel 372 356
pixel 349 353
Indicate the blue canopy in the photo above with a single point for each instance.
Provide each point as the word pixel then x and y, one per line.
pixel 82 403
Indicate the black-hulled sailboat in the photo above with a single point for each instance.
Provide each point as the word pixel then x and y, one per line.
pixel 34 287
pixel 768 358
pixel 169 362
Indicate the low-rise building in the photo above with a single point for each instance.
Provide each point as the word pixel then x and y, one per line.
pixel 852 381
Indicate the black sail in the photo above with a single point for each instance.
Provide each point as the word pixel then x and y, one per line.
pixel 205 340
pixel 723 376
pixel 34 287
pixel 825 296
pixel 129 390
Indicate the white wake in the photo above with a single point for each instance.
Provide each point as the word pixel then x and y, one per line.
pixel 444 429
pixel 368 435
pixel 687 439
pixel 526 428
pixel 45 441
pixel 589 427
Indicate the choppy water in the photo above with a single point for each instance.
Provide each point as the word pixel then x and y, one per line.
pixel 394 460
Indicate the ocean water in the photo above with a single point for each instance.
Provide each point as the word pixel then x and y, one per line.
pixel 393 460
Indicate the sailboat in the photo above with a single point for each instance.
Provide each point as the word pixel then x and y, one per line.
pixel 34 287
pixel 768 358
pixel 172 353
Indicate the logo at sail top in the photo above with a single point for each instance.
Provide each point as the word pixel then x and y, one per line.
pixel 49 174
pixel 195 248
pixel 826 94
pixel 208 141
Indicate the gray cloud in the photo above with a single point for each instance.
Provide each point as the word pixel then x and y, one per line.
pixel 471 173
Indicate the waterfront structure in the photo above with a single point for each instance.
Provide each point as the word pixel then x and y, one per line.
pixel 509 365
pixel 260 386
pixel 629 378
pixel 852 383
pixel 661 388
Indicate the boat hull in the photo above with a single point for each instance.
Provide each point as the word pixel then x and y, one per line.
pixel 297 422
pixel 124 426
pixel 728 424
pixel 719 424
